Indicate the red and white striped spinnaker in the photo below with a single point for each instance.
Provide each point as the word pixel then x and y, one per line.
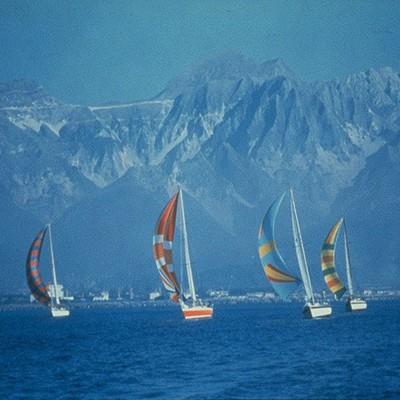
pixel 35 281
pixel 162 247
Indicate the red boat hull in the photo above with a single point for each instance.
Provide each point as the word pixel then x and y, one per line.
pixel 197 312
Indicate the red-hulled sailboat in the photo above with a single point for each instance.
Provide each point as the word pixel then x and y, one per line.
pixel 192 306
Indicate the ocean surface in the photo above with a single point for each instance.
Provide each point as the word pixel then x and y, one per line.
pixel 262 351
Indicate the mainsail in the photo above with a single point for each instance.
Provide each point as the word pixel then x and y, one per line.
pixel 328 262
pixel 35 282
pixel 187 255
pixel 162 247
pixel 347 257
pixel 283 282
pixel 300 253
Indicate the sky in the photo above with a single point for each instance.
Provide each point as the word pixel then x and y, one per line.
pixel 99 51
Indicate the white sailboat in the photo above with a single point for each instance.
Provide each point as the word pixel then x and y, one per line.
pixel 192 306
pixel 56 308
pixel 312 309
pixel 35 282
pixel 353 302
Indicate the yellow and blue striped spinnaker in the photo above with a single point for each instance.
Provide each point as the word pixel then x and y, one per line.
pixel 328 262
pixel 276 271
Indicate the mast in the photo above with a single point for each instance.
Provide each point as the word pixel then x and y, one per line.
pixel 347 256
pixel 181 250
pixel 300 253
pixel 53 270
pixel 187 255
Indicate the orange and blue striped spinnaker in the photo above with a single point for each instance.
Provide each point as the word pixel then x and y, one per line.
pixel 162 247
pixel 35 281
pixel 276 271
pixel 328 262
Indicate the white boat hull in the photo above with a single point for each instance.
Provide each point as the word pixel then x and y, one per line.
pixel 356 305
pixel 317 310
pixel 59 312
pixel 197 312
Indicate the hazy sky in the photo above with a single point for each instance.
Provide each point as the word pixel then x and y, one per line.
pixel 92 51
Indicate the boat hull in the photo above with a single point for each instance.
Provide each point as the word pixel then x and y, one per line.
pixel 356 305
pixel 317 310
pixel 59 312
pixel 197 312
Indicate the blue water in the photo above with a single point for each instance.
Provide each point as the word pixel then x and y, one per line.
pixel 260 351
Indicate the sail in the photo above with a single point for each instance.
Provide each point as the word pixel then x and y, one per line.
pixel 35 282
pixel 328 262
pixel 187 254
pixel 162 247
pixel 276 271
pixel 300 253
pixel 347 257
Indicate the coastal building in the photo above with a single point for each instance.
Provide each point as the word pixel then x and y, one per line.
pixel 104 296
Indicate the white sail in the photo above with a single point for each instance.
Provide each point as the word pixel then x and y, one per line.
pixel 301 257
pixel 188 264
pixel 53 268
pixel 347 257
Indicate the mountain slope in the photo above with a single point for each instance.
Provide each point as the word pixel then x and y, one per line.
pixel 231 133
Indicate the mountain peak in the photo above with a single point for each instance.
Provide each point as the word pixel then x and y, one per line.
pixel 275 67
pixel 23 93
pixel 228 66
pixel 22 85
pixel 225 66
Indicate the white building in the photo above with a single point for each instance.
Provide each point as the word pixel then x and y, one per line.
pixel 104 296
pixel 155 295
pixel 218 293
pixel 51 290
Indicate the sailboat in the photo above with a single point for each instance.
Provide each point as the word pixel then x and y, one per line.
pixel 353 302
pixel 192 306
pixel 35 281
pixel 283 282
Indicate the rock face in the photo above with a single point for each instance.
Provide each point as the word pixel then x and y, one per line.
pixel 233 135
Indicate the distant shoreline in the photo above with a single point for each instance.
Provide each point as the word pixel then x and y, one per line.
pixel 162 303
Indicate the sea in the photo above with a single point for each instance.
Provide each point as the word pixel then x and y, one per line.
pixel 247 351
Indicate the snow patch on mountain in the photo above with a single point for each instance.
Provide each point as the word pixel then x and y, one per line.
pixel 165 102
pixel 26 122
pixel 362 138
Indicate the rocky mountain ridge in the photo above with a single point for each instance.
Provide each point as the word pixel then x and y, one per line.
pixel 231 133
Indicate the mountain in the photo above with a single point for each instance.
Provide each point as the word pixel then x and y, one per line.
pixel 234 135
pixel 376 212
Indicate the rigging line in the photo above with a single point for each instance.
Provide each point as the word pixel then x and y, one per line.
pixel 182 264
